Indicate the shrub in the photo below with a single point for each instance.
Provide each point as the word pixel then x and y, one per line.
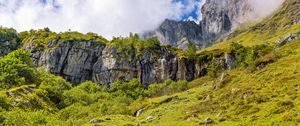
pixel 86 93
pixel 168 87
pixel 15 69
pixel 8 35
pixel 240 53
pixel 132 89
pixel 3 101
pixel 213 68
pixel 190 53
pixel 54 87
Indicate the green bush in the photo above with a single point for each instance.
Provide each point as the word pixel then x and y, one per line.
pixel 166 88
pixel 240 53
pixel 132 89
pixel 213 69
pixel 15 69
pixel 86 93
pixel 4 102
pixel 54 87
pixel 190 53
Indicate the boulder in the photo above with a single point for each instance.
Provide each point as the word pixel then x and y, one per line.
pixel 149 118
pixel 139 112
pixel 96 121
pixel 207 120
pixel 286 39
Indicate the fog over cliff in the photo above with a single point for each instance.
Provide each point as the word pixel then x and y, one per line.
pixel 263 8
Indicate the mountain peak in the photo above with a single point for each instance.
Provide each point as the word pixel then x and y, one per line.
pixel 218 19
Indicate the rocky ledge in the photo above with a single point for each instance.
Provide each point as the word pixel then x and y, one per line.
pixel 79 61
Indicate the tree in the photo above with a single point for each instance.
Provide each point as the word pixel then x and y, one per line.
pixel 132 89
pixel 213 69
pixel 190 53
pixel 15 69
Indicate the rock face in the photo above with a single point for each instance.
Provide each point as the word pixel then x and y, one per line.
pixel 218 18
pixel 177 34
pixel 72 60
pixel 79 61
pixel 287 39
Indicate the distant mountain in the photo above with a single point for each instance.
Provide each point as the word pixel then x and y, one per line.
pixel 219 18
pixel 177 33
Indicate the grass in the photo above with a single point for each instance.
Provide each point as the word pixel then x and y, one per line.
pixel 269 96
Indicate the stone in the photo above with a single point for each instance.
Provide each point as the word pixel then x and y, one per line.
pixel 222 78
pixel 208 120
pixel 229 59
pixel 149 118
pixel 246 95
pixel 287 39
pixel 208 98
pixel 139 112
pixel 96 121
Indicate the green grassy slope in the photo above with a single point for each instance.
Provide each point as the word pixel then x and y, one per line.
pixel 269 96
pixel 283 22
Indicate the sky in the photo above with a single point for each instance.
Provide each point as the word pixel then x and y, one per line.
pixel 107 18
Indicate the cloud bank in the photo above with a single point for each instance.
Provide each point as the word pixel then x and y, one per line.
pixel 263 8
pixel 105 17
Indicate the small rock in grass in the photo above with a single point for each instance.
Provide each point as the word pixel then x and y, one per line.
pixel 149 118
pixel 96 121
pixel 207 120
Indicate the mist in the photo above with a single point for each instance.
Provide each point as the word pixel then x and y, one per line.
pixel 263 8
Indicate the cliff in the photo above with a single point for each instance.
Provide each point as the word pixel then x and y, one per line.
pixel 177 33
pixel 79 61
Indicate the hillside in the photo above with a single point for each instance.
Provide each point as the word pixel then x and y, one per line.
pixel 251 77
pixel 268 96
pixel 281 24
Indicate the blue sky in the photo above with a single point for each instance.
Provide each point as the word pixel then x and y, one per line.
pixel 194 13
pixel 105 17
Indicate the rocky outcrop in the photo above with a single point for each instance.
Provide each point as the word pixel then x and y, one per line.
pixel 79 61
pixel 177 33
pixel 287 39
pixel 113 65
pixel 221 17
pixel 70 59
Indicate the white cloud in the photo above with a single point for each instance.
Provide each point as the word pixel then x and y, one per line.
pixel 263 8
pixel 105 17
pixel 198 5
